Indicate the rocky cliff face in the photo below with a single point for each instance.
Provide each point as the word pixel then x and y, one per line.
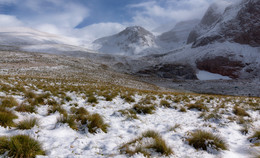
pixel 209 20
pixel 239 23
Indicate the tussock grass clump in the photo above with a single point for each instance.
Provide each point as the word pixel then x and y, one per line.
pixel 92 99
pixel 30 94
pixel 81 114
pixel 200 107
pixel 57 108
pixel 109 96
pixel 255 138
pixel 40 99
pixel 149 143
pixel 128 113
pixel 20 146
pixel 68 98
pixel 206 141
pixel 147 100
pixel 144 109
pixel 95 122
pixel 240 112
pixel 26 108
pixel 9 102
pixel 165 103
pixel 213 117
pixel 79 111
pixel 128 98
pixel 183 109
pixel 52 102
pixel 27 124
pixel 69 119
pixel 7 117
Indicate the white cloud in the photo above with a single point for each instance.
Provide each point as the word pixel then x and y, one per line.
pixel 95 31
pixel 50 28
pixel 52 16
pixel 67 16
pixel 9 21
pixel 152 14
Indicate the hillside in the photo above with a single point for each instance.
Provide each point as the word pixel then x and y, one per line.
pixel 76 108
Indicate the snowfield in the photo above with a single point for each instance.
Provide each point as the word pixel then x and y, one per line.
pixel 204 75
pixel 175 117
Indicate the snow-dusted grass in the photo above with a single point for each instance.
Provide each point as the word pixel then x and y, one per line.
pixel 72 126
pixel 20 146
pixel 206 141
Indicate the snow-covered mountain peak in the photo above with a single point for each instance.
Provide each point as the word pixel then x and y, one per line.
pixel 132 40
pixel 135 29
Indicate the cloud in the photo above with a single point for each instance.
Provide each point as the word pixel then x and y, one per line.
pixel 53 16
pixel 154 13
pixel 95 31
pixel 9 21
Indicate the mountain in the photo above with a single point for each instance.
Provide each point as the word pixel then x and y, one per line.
pixel 239 23
pixel 131 41
pixel 137 41
pixel 177 36
pixel 27 39
pixel 225 42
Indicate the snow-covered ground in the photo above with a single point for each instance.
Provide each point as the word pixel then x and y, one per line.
pixel 59 140
pixel 205 75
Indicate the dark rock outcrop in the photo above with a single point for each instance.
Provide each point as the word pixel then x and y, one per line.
pixel 173 71
pixel 221 65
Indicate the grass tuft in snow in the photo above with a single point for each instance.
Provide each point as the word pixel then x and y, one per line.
pixel 206 141
pixel 25 108
pixel 20 146
pixel 30 95
pixel 9 102
pixel 95 122
pixel 175 127
pixel 27 124
pixel 214 116
pixel 144 109
pixel 255 138
pixel 7 117
pixel 57 108
pixel 200 107
pixel 149 143
pixel 81 114
pixel 128 97
pixel 92 99
pixel 183 109
pixel 240 112
pixel 68 119
pixel 39 99
pixel 165 103
pixel 128 113
pixel 68 99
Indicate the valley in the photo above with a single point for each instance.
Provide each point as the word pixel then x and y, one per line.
pixel 190 91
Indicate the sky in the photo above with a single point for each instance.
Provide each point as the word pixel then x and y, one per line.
pixel 92 19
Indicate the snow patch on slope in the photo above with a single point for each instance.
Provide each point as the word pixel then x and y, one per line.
pixel 205 75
